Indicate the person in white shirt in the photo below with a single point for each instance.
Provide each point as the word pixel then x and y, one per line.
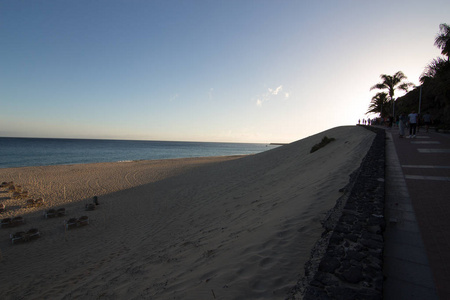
pixel 412 118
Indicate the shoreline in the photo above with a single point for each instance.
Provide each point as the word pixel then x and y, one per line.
pixel 180 228
pixel 132 161
pixel 43 152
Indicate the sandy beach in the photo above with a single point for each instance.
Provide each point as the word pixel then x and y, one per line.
pixel 238 227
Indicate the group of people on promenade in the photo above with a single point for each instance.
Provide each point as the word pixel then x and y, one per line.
pixel 365 122
pixel 412 121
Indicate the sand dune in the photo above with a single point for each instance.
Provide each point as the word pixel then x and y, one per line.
pixel 238 227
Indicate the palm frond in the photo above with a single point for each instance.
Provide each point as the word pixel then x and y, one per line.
pixel 432 69
pixel 381 96
pixel 442 40
pixel 379 86
pixel 399 76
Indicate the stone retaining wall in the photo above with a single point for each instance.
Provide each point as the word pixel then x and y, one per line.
pixel 347 261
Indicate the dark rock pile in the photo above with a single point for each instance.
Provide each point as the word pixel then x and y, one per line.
pixel 347 261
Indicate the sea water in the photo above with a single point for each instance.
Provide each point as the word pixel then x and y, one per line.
pixel 25 152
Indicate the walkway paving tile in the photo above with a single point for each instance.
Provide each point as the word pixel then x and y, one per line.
pixel 425 165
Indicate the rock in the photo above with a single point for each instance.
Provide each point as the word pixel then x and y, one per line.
pixel 329 264
pixel 353 274
pixel 351 267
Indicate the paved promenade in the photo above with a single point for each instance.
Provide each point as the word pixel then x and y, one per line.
pixel 417 237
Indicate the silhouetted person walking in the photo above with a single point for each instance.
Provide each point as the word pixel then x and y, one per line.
pixel 412 118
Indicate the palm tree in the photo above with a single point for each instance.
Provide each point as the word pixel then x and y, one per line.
pixel 392 83
pixel 442 40
pixel 436 67
pixel 378 104
pixel 439 65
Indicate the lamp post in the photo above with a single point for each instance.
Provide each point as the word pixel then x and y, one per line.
pixel 420 98
pixel 381 111
pixel 393 111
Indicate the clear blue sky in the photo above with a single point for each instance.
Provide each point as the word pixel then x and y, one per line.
pixel 232 71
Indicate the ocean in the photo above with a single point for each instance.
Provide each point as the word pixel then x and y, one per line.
pixel 27 152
